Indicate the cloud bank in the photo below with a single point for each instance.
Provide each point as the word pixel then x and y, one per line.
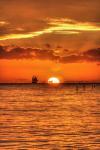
pixel 92 55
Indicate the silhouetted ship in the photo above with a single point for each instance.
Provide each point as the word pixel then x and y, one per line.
pixel 34 80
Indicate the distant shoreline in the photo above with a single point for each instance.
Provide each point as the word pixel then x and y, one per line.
pixel 69 83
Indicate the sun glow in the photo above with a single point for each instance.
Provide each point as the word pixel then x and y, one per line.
pixel 53 80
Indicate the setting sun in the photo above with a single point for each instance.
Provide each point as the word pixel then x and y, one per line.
pixel 53 80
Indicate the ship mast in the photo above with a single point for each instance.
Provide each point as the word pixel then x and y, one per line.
pixel 34 79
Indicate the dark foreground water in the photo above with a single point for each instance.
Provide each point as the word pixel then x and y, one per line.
pixel 42 117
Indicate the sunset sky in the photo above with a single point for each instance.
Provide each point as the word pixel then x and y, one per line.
pixel 49 38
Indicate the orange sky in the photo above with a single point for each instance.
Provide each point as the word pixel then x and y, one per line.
pixel 49 38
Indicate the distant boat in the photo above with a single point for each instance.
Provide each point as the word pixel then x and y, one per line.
pixel 34 80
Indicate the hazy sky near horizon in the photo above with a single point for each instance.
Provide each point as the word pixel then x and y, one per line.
pixel 49 38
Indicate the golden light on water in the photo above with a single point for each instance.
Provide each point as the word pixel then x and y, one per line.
pixel 53 80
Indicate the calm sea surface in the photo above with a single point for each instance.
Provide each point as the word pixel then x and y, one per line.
pixel 42 117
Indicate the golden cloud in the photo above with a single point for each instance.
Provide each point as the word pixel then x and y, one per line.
pixel 3 23
pixel 56 26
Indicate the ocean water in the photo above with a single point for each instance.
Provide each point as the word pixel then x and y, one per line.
pixel 45 117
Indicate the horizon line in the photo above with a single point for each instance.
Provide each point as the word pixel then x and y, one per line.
pixel 77 82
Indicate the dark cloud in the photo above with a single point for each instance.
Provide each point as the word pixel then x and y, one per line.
pixel 72 59
pixel 15 53
pixel 26 53
pixel 92 55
